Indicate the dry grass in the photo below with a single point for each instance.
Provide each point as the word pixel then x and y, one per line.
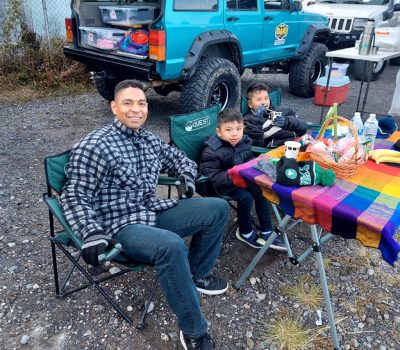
pixel 306 292
pixel 33 69
pixel 288 333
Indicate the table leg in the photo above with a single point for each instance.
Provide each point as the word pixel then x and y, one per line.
pixel 324 284
pixel 361 87
pixel 369 66
pixel 260 254
pixel 326 89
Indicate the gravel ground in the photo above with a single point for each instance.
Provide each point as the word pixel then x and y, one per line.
pixel 365 290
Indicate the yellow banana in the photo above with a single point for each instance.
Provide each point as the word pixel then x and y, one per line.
pixel 388 159
pixel 381 156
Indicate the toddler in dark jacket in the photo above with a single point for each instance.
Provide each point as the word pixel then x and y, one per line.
pixel 260 125
pixel 220 153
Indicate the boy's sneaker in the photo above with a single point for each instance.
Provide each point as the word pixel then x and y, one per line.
pixel 205 342
pixel 211 285
pixel 276 244
pixel 252 241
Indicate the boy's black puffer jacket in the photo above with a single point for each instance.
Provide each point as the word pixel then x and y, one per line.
pixel 270 135
pixel 219 156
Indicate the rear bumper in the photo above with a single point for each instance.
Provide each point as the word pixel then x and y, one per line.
pixel 118 65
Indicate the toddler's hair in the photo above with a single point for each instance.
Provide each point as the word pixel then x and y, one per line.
pixel 253 87
pixel 229 115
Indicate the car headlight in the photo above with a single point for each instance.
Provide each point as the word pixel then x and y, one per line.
pixel 359 23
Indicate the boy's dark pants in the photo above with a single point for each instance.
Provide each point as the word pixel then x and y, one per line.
pixel 244 198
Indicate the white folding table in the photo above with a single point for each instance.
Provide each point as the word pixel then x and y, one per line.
pixel 352 54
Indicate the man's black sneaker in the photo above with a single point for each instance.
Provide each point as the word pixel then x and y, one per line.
pixel 276 244
pixel 205 342
pixel 211 285
pixel 252 241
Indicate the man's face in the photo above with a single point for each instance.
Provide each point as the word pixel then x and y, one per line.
pixel 258 98
pixel 231 132
pixel 130 107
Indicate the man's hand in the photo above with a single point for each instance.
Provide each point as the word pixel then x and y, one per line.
pixel 280 121
pixel 187 187
pixel 94 246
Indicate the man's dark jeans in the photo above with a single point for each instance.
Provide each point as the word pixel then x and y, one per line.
pixel 163 246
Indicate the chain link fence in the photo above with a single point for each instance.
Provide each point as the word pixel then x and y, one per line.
pixel 32 38
pixel 43 18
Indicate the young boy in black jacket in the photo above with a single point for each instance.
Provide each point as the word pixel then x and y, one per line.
pixel 223 151
pixel 259 124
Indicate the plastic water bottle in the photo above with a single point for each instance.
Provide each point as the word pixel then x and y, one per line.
pixel 368 36
pixel 370 130
pixel 359 126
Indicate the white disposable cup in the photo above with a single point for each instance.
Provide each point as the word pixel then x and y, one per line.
pixel 292 149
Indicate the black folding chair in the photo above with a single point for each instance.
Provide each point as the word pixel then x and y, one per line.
pixel 66 240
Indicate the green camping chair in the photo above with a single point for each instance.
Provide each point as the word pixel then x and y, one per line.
pixel 66 240
pixel 188 133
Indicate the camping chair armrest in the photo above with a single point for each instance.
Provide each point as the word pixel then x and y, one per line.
pixel 165 180
pixel 259 150
pixel 55 208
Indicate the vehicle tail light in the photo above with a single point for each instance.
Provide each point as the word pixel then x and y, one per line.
pixel 68 30
pixel 157 45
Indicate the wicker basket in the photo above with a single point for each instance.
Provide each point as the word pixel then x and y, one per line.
pixel 342 170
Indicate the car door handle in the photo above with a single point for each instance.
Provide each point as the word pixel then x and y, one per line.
pixel 268 18
pixel 234 18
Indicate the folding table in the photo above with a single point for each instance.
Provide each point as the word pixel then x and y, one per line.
pixel 352 54
pixel 365 207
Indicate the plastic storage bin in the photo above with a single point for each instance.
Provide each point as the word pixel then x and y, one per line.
pixel 127 15
pixel 338 70
pixel 100 37
pixel 387 38
pixel 337 91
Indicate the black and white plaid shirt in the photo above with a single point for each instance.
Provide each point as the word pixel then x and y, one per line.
pixel 112 178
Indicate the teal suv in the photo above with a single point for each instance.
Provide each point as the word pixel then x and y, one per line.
pixel 197 47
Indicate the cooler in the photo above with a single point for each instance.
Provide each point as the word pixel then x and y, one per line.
pixel 337 92
pixel 100 37
pixel 127 15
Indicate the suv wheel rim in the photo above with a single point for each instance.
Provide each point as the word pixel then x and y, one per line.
pixel 220 95
pixel 317 71
pixel 377 67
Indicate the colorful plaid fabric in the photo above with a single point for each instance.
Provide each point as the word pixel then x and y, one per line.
pixel 365 207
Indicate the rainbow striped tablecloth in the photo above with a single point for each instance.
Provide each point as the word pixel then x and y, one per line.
pixel 365 206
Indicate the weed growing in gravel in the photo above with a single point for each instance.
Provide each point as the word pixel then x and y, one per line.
pixel 289 334
pixel 306 292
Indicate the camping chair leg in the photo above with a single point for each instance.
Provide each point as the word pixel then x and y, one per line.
pixel 55 271
pixel 96 285
pixel 228 236
pixel 53 254
pixel 147 303
pixel 322 275
pixel 66 279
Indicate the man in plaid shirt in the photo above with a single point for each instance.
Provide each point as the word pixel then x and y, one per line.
pixel 110 197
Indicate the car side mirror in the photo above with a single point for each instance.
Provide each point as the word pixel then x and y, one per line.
pixel 297 6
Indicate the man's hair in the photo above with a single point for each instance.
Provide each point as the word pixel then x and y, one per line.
pixel 128 83
pixel 229 115
pixel 253 87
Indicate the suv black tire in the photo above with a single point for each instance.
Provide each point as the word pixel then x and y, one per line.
pixel 358 70
pixel 395 61
pixel 216 80
pixel 105 87
pixel 304 73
